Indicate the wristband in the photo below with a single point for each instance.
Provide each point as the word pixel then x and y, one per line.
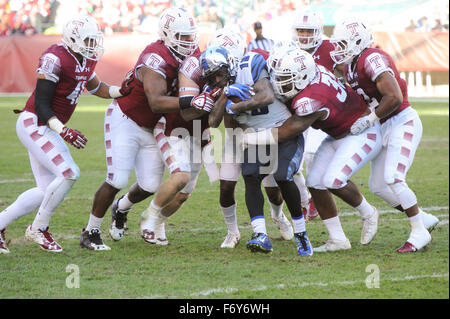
pixel 114 91
pixel 55 125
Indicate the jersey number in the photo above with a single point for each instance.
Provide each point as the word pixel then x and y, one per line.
pixel 329 79
pixel 244 62
pixel 261 111
pixel 73 97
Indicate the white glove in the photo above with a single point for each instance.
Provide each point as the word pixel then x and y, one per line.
pixel 363 123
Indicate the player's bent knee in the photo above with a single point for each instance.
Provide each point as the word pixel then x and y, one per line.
pixel 334 181
pixel 180 179
pixel 118 181
pixel 314 181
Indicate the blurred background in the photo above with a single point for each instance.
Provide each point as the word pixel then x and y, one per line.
pixel 414 32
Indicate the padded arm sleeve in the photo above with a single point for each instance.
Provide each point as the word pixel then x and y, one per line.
pixel 45 90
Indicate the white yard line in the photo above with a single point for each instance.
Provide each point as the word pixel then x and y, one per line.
pixel 229 290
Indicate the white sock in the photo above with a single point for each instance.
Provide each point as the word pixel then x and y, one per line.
pixel 299 224
pixel 124 203
pixel 275 210
pixel 259 224
pixel 155 207
pixel 229 214
pixel 365 209
pixel 416 222
pixel 334 228
pixel 26 203
pixel 153 212
pixel 299 180
pixel 94 222
pixel 54 195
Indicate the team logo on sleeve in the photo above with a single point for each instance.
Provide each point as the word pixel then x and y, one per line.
pixel 303 107
pixel 376 61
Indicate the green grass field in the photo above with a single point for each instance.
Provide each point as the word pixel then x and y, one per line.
pixel 193 265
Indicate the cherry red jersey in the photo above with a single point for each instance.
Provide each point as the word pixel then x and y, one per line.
pixel 58 65
pixel 157 57
pixel 192 70
pixel 343 105
pixel 362 75
pixel 321 55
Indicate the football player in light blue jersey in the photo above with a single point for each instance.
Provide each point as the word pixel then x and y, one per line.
pixel 256 108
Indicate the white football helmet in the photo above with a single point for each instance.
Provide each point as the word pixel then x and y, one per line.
pixel 310 20
pixel 230 40
pixel 350 37
pixel 175 23
pixel 82 34
pixel 292 72
pixel 277 51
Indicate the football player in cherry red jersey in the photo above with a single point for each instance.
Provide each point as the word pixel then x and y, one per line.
pixel 320 100
pixel 129 130
pixel 307 33
pixel 373 74
pixel 64 71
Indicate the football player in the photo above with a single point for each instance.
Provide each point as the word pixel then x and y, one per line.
pixel 258 109
pixel 320 100
pixel 307 33
pixel 64 71
pixel 129 123
pixel 373 74
pixel 194 104
pixel 230 166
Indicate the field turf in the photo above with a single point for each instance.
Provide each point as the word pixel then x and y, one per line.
pixel 193 265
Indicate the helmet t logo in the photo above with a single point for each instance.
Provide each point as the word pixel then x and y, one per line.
pixel 76 25
pixel 169 19
pixel 227 41
pixel 299 59
pixel 352 27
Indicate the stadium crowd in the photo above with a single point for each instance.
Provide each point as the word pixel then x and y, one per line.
pixel 35 16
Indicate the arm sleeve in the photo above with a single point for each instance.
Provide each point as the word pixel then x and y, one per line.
pixel 45 90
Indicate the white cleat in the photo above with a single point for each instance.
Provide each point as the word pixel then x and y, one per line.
pixel 369 227
pixel 429 221
pixel 334 245
pixel 156 236
pixel 44 239
pixel 285 227
pixel 231 240
pixel 419 238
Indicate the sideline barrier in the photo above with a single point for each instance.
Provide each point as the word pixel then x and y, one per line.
pixel 412 51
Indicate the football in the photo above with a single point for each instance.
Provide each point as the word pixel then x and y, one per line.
pixel 236 99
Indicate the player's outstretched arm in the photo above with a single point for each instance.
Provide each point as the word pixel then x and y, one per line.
pixel 103 90
pixel 292 127
pixel 264 96
pixel 155 88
